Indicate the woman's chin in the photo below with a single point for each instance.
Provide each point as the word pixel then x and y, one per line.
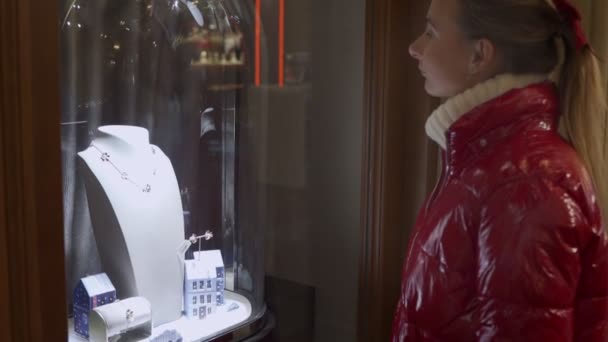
pixel 433 90
pixel 429 89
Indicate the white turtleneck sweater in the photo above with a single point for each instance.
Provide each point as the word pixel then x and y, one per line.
pixel 449 112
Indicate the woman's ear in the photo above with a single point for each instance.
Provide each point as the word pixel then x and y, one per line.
pixel 484 58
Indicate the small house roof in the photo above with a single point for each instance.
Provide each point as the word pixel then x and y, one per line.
pixel 97 284
pixel 204 265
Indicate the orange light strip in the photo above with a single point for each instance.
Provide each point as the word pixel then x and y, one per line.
pixel 281 43
pixel 258 41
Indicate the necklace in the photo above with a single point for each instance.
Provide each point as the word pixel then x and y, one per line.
pixel 105 157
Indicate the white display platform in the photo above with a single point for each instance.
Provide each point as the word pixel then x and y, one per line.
pixel 197 330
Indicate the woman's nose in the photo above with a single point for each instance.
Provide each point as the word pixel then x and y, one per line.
pixel 413 49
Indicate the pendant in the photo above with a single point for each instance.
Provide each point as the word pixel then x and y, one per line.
pixel 147 189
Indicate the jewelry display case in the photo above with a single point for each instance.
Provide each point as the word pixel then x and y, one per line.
pixel 160 169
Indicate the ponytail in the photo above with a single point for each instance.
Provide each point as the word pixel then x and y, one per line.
pixel 524 30
pixel 584 117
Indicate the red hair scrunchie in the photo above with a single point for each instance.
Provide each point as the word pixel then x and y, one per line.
pixel 573 18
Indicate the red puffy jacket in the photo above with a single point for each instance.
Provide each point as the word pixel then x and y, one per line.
pixel 510 245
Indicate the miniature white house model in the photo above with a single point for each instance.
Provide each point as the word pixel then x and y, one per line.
pixel 204 284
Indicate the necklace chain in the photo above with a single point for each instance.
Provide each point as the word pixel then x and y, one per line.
pixel 105 157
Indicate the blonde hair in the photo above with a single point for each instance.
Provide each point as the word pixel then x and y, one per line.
pixel 526 32
pixel 583 120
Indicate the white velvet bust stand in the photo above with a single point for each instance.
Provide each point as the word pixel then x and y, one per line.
pixel 138 233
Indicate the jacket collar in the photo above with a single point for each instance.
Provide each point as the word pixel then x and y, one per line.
pixel 455 107
pixel 491 111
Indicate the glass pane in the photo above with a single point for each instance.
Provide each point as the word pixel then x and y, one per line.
pixel 211 163
pixel 160 169
pixel 311 137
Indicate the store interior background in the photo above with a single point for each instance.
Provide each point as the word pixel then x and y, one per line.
pixel 311 149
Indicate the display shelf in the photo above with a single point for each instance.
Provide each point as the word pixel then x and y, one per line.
pixel 197 330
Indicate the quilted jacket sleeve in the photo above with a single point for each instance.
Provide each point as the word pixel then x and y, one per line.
pixel 542 267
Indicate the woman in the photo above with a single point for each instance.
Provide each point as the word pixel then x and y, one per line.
pixel 510 245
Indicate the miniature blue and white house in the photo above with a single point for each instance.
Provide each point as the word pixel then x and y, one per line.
pixel 204 284
pixel 91 292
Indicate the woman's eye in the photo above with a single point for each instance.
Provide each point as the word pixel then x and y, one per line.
pixel 428 33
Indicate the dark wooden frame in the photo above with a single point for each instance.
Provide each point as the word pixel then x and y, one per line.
pixel 31 229
pixel 399 164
